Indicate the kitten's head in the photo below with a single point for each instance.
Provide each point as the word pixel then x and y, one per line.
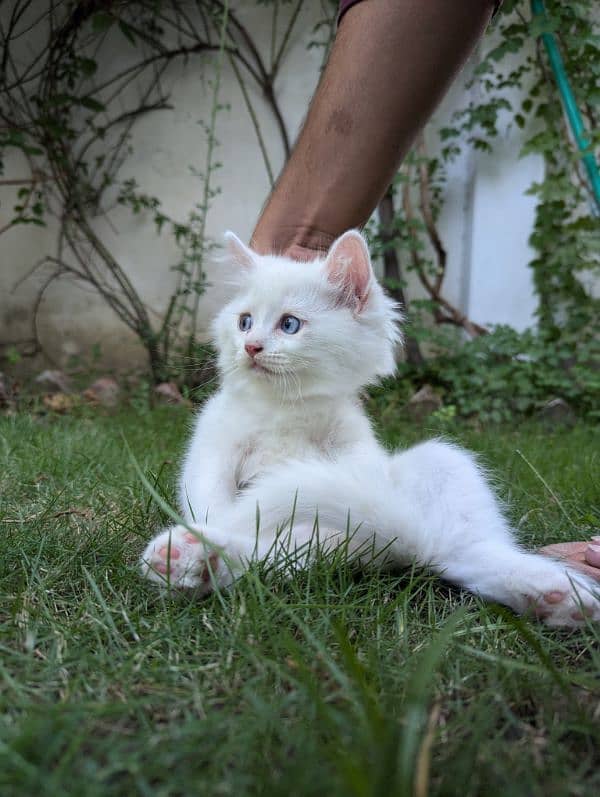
pixel 296 330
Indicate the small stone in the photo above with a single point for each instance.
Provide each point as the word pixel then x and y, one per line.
pixel 103 391
pixel 424 402
pixel 558 412
pixel 59 402
pixel 4 391
pixel 169 393
pixel 54 381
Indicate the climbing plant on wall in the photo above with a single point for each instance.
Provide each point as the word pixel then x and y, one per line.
pixel 69 107
pixel 566 234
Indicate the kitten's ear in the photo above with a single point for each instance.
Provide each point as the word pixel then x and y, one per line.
pixel 238 251
pixel 348 266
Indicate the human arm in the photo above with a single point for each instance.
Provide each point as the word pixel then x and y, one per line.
pixel 390 64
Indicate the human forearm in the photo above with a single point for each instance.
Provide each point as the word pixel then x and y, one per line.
pixel 390 64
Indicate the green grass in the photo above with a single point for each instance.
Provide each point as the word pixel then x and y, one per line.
pixel 330 682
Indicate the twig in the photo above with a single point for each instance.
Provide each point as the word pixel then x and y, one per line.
pixel 427 213
pixel 26 180
pixel 392 269
pixel 451 314
pixel 285 39
pixel 254 119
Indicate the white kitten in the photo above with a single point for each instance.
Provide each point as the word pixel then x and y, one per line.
pixel 285 441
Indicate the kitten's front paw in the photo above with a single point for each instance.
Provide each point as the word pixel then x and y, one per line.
pixel 562 597
pixel 179 558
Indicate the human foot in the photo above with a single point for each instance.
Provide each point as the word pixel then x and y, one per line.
pixel 581 555
pixel 179 557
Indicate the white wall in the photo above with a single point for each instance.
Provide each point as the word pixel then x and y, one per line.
pixel 485 222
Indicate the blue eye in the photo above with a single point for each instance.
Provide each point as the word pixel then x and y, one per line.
pixel 245 322
pixel 290 324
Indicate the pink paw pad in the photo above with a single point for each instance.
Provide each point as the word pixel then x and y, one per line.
pixel 166 553
pixel 541 612
pixel 556 596
pixel 192 538
pixel 582 614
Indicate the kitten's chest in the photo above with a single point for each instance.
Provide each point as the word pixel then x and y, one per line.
pixel 269 444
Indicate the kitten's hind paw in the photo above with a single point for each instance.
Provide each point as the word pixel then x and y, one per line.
pixel 181 558
pixel 562 598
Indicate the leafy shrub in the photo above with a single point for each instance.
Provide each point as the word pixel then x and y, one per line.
pixel 506 374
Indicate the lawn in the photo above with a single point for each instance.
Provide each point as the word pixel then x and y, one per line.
pixel 328 683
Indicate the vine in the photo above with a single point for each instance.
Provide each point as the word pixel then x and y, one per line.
pixel 566 235
pixel 505 373
pixel 58 109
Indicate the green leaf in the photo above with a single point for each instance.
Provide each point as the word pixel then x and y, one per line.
pixel 91 103
pixel 102 21
pixel 87 66
pixel 127 31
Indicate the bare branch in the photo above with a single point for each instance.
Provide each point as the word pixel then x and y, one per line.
pixel 446 313
pixel 427 213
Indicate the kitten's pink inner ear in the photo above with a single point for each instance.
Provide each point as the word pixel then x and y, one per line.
pixel 238 251
pixel 349 266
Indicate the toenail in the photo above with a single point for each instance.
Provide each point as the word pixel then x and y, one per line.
pixel 191 538
pixel 172 553
pixel 540 612
pixel 213 561
pixel 592 555
pixel 554 597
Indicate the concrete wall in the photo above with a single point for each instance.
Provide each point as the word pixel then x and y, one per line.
pixel 485 222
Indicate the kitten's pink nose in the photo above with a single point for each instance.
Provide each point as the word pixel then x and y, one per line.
pixel 253 349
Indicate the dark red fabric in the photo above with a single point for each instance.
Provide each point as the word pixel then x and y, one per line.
pixel 346 4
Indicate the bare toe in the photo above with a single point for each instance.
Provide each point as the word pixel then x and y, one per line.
pixel 592 555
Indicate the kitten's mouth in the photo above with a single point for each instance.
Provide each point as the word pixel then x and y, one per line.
pixel 259 368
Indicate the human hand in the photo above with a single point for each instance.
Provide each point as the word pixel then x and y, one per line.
pixel 301 244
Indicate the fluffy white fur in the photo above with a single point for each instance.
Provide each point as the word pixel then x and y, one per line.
pixel 286 433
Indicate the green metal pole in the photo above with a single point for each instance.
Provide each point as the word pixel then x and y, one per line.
pixel 570 105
